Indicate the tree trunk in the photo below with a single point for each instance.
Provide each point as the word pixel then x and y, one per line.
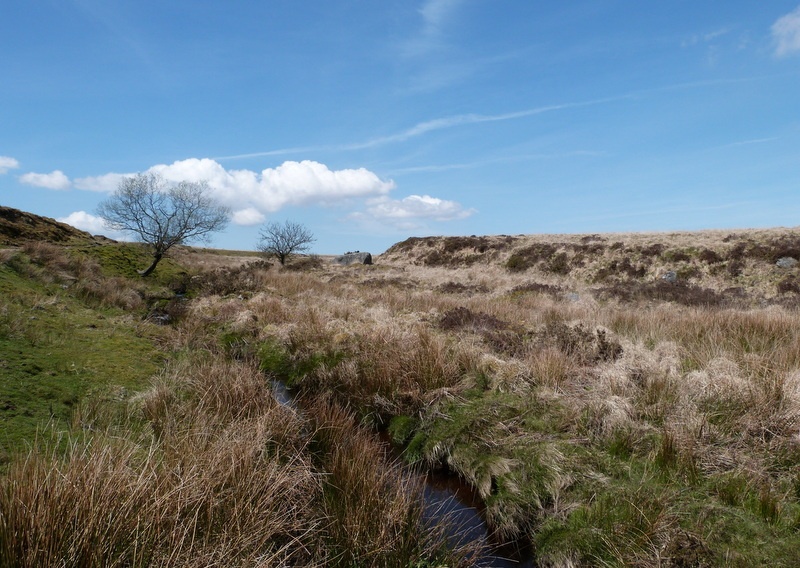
pixel 146 272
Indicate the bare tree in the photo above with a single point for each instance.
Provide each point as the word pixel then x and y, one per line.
pixel 162 215
pixel 282 240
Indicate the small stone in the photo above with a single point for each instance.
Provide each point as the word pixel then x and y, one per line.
pixel 670 277
pixel 786 262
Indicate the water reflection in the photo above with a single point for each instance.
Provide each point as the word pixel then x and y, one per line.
pixel 282 394
pixel 446 496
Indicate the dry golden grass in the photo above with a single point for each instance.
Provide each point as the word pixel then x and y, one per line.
pixel 221 475
pixel 222 481
pixel 611 416
pixel 703 390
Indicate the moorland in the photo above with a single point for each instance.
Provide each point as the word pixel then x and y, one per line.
pixel 613 400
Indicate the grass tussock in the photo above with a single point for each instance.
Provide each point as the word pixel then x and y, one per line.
pixel 228 477
pixel 128 506
pixel 375 505
pixel 221 480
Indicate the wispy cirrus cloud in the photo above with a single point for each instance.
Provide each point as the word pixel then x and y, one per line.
pixel 7 163
pixel 462 120
pixel 750 142
pixel 435 17
pixel 433 125
pixel 786 33
pixel 54 180
pixel 705 38
pixel 497 160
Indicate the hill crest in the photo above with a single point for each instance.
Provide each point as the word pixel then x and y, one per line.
pixel 17 227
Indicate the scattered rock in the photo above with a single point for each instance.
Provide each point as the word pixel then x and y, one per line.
pixel 786 262
pixel 670 277
pixel 356 257
pixel 160 318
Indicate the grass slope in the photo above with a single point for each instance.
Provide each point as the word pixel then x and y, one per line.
pixel 56 351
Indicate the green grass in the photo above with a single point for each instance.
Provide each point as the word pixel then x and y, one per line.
pixel 126 259
pixel 630 511
pixel 55 352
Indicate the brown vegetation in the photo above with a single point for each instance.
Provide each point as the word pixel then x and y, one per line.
pixel 606 413
pixel 17 227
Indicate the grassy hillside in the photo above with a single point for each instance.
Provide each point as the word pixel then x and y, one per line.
pixel 615 400
pixel 18 226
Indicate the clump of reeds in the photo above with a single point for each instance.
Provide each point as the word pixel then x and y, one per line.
pixel 374 505
pixel 222 484
pixel 213 471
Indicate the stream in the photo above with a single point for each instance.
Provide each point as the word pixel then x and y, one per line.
pixel 448 496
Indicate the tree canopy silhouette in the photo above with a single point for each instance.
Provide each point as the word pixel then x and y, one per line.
pixel 163 215
pixel 282 240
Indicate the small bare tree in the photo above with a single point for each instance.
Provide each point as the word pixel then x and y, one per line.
pixel 282 240
pixel 162 215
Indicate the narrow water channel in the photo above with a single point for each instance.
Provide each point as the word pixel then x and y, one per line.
pixel 449 497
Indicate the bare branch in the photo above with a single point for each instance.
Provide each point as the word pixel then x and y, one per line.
pixel 282 240
pixel 162 215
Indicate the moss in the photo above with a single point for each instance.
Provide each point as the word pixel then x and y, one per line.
pixel 274 358
pixel 415 449
pixel 237 344
pixel 402 428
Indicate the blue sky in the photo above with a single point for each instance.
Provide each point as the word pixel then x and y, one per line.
pixel 373 121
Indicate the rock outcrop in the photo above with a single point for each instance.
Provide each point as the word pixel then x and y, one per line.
pixel 356 257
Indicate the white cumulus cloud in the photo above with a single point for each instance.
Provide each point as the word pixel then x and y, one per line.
pixel 54 180
pixel 267 191
pixel 253 195
pixel 105 183
pixel 7 163
pixel 786 33
pixel 85 222
pixel 415 207
pixel 248 217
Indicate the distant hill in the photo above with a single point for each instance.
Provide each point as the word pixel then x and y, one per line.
pixel 713 267
pixel 18 226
